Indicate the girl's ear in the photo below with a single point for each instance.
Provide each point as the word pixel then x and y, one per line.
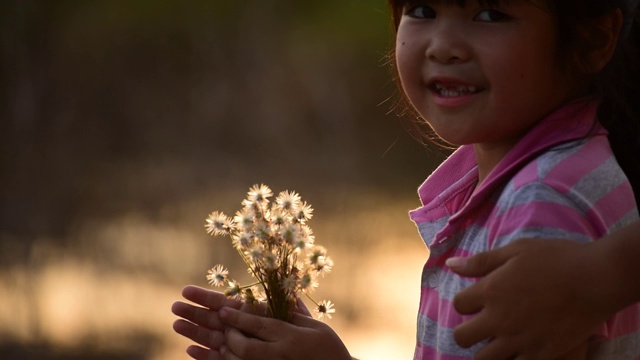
pixel 608 28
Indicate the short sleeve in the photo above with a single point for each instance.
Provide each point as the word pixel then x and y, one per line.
pixel 540 211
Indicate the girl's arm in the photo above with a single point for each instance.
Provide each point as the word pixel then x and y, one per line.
pixel 570 289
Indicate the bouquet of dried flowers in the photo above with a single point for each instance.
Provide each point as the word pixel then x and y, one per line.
pixel 278 247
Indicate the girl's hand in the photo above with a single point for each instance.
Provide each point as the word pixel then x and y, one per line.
pixel 539 299
pixel 202 324
pixel 251 337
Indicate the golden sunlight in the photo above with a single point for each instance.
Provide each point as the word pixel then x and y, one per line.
pixel 84 301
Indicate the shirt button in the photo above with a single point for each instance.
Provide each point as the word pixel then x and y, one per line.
pixel 433 280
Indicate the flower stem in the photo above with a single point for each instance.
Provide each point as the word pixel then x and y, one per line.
pixel 310 298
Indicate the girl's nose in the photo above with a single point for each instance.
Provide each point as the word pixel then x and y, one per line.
pixel 448 45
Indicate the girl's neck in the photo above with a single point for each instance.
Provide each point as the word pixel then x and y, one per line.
pixel 488 156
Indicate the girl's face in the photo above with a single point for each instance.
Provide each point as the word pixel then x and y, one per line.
pixel 480 74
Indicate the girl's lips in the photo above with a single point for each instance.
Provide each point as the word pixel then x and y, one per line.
pixel 455 100
pixel 449 92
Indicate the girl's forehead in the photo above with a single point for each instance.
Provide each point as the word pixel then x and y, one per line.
pixel 454 2
pixel 462 3
pixel 546 5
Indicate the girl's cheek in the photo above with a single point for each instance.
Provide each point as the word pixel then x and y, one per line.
pixel 409 75
pixel 403 61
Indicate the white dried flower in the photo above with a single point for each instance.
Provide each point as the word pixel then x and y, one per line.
pixel 279 217
pixel 234 290
pixel 217 275
pixel 308 282
pixel 290 283
pixel 323 265
pixel 262 231
pixel 316 253
pixel 256 252
pixel 290 233
pixel 245 219
pixel 259 193
pixel 288 200
pixel 325 309
pixel 242 240
pixel 304 213
pixel 218 223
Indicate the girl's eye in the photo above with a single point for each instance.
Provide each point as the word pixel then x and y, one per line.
pixel 491 15
pixel 420 12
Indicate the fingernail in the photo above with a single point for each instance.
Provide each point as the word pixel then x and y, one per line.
pixel 456 262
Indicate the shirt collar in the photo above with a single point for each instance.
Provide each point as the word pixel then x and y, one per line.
pixel 573 121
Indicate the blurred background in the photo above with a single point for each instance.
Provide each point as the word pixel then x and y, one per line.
pixel 123 123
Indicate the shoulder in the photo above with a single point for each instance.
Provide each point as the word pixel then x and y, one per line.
pixel 574 190
pixel 582 170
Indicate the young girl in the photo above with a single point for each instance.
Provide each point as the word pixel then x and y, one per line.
pixel 524 87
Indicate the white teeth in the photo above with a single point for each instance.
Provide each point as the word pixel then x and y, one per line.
pixel 455 90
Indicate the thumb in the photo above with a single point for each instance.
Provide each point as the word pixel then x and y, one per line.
pixel 305 321
pixel 481 264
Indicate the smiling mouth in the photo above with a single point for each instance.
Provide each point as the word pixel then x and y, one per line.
pixel 454 90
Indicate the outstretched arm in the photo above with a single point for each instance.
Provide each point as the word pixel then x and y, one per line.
pixel 570 289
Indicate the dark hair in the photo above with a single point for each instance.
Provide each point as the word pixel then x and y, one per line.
pixel 614 86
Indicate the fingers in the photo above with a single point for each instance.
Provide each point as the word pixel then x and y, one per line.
pixel 305 321
pixel 256 326
pixel 197 315
pixel 498 349
pixel 246 348
pixel 212 339
pixel 199 353
pixel 481 264
pixel 470 300
pixel 210 299
pixel 474 330
pixel 228 355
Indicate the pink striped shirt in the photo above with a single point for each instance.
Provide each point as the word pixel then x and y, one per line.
pixel 560 181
